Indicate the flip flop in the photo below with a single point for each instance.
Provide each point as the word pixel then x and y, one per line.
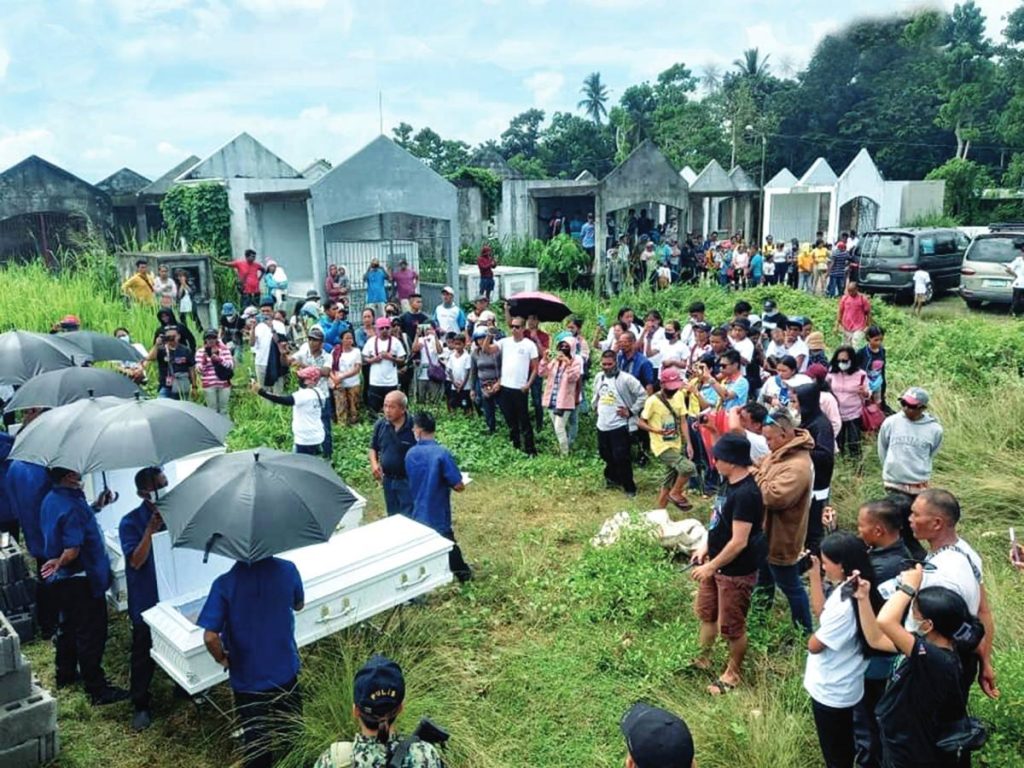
pixel 722 686
pixel 683 504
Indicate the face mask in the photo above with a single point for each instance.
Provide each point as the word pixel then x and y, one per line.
pixel 844 366
pixel 611 374
pixel 125 339
pixel 670 336
pixel 915 627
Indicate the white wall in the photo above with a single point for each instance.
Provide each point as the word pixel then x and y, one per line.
pixel 281 233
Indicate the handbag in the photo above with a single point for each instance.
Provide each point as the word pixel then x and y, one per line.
pixel 223 372
pixel 871 417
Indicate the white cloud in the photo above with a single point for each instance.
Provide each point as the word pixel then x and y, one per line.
pixel 168 149
pixel 270 7
pixel 137 11
pixel 15 146
pixel 5 60
pixel 546 86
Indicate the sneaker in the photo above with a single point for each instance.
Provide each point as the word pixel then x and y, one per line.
pixel 109 694
pixel 630 494
pixel 142 720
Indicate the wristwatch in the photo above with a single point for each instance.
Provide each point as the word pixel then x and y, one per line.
pixel 906 589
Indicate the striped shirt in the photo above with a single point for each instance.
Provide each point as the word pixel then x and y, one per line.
pixel 204 366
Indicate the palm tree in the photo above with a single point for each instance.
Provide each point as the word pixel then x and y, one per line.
pixel 752 66
pixel 711 78
pixel 595 94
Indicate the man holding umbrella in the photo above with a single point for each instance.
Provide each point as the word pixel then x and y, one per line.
pixel 136 533
pixel 249 629
pixel 79 567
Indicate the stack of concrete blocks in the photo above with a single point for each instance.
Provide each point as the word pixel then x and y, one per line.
pixel 28 714
pixel 17 591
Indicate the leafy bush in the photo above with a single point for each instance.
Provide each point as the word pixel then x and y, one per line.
pixel 201 215
pixel 561 262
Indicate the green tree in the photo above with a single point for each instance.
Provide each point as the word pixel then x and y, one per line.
pixel 595 96
pixel 633 118
pixel 572 144
pixel 522 137
pixel 965 179
pixel 752 66
pixel 403 135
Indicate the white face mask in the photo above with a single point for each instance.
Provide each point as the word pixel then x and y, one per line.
pixel 844 366
pixel 125 339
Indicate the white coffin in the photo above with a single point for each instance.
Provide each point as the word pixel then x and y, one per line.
pixel 354 576
pixel 182 571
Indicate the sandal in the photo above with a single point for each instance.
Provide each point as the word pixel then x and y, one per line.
pixel 700 665
pixel 722 686
pixel 683 504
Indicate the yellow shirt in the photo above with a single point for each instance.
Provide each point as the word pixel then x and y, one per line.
pixel 659 417
pixel 140 288
pixel 805 261
pixel 820 256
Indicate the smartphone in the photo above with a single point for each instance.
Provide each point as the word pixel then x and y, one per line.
pixel 804 564
pixel 849 587
pixel 1016 551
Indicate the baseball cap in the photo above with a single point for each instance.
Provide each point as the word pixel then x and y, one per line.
pixel 312 294
pixel 816 340
pixel 770 307
pixel 706 327
pixel 480 333
pixel 227 309
pixel 249 311
pixel 914 396
pixel 448 289
pixel 487 316
pixel 741 322
pixel 656 738
pixel 670 376
pixel 316 332
pixel 482 297
pixel 795 322
pixel 816 371
pixel 310 374
pixel 382 322
pixel 379 687
pixel 70 321
pixel 210 333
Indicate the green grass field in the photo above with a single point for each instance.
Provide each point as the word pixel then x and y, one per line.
pixel 534 662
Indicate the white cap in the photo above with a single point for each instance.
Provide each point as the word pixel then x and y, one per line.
pixel 448 289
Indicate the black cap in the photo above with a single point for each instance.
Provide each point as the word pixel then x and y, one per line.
pixel 795 322
pixel 734 449
pixel 706 327
pixel 379 687
pixel 770 307
pixel 210 333
pixel 267 302
pixel 741 322
pixel 656 738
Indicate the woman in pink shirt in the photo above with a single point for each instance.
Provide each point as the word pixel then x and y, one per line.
pixel 213 364
pixel 849 384
pixel 561 371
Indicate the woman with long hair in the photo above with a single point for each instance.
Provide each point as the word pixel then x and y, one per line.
pixel 837 652
pixel 924 699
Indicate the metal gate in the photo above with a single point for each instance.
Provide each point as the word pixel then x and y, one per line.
pixel 429 257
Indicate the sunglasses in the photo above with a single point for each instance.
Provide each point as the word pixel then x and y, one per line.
pixel 910 407
pixel 514 327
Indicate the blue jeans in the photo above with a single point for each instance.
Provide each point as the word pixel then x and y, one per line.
pixel 397 496
pixel 166 392
pixel 327 418
pixel 309 450
pixel 488 407
pixel 787 579
pixel 573 427
pixel 807 282
pixel 836 286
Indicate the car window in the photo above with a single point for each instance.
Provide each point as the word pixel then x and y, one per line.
pixel 996 250
pixel 962 241
pixel 926 246
pixel 885 246
pixel 945 244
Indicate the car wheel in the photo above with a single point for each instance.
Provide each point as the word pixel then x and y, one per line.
pixel 972 303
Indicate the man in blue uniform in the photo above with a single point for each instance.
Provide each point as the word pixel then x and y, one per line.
pixel 136 533
pixel 78 566
pixel 27 485
pixel 392 438
pixel 433 475
pixel 250 630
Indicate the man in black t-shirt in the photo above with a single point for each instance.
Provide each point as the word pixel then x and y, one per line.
pixel 726 566
pixel 176 364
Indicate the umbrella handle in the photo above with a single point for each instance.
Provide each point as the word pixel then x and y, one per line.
pixel 209 545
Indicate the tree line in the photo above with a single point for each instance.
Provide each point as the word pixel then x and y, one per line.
pixel 927 93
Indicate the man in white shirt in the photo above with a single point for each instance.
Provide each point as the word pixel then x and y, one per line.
pixel 519 360
pixel 383 354
pixel 1016 268
pixel 933 519
pixel 696 311
pixel 262 338
pixel 312 353
pixel 738 330
pixel 448 316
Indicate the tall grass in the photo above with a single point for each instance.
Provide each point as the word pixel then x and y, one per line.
pixel 534 662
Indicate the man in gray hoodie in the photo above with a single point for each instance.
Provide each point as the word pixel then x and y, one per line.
pixel 618 399
pixel 907 444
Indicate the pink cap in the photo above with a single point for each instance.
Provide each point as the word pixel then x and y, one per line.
pixel 671 376
pixel 382 322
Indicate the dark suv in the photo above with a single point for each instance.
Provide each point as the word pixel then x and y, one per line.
pixel 888 259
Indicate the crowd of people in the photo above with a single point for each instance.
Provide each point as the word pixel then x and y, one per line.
pixel 747 413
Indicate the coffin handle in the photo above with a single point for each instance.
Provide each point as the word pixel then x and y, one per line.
pixel 406 583
pixel 326 617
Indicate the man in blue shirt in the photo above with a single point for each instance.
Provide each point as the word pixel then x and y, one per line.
pixel 634 363
pixel 250 630
pixel 587 233
pixel 392 438
pixel 334 322
pixel 78 565
pixel 433 475
pixel 136 533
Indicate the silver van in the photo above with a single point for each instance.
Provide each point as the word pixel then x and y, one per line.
pixel 983 276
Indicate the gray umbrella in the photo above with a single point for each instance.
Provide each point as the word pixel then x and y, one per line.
pixel 253 504
pixel 124 433
pixel 24 354
pixel 56 388
pixel 100 346
pixel 40 441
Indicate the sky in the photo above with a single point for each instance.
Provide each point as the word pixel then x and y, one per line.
pixel 96 85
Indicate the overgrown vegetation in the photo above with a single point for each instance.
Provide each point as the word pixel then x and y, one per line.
pixel 200 214
pixel 534 662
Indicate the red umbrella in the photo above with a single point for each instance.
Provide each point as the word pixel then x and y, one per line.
pixel 546 306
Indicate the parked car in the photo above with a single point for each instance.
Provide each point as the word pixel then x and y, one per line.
pixel 889 258
pixel 983 276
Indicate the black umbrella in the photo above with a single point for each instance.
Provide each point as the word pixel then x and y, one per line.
pixel 120 434
pixel 39 441
pixel 546 306
pixel 56 388
pixel 100 346
pixel 24 354
pixel 253 504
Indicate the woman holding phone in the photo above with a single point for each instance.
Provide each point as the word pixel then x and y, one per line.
pixel 561 370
